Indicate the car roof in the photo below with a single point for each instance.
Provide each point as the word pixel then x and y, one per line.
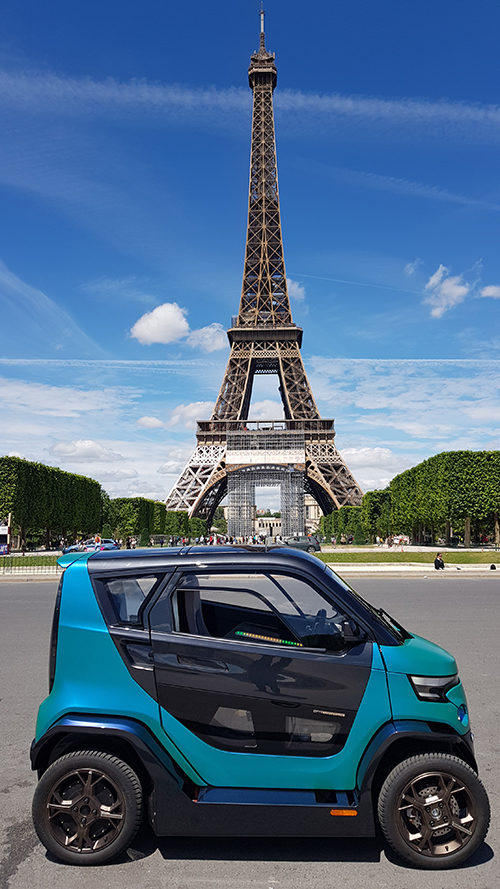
pixel 210 556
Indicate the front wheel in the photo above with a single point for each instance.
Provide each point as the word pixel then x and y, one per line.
pixel 434 811
pixel 87 807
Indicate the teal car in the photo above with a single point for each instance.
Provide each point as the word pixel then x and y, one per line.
pixel 218 691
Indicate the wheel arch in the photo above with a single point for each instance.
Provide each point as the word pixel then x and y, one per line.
pixel 70 741
pixel 127 739
pixel 398 741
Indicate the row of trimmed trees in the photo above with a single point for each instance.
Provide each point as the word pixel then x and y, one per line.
pixel 143 519
pixel 453 493
pixel 46 503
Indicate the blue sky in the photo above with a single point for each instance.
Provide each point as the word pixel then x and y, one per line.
pixel 123 186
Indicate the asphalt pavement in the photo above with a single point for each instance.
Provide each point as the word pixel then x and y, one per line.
pixel 461 614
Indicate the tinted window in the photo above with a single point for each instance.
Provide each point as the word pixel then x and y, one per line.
pixel 257 608
pixel 127 594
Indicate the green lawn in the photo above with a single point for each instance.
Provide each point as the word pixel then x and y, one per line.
pixel 27 561
pixel 451 558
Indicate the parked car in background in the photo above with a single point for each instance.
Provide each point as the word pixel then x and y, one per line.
pixel 87 546
pixel 308 543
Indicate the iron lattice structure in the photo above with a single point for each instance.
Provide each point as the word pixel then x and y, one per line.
pixel 264 340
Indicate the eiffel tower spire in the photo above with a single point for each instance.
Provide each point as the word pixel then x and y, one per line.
pixel 264 340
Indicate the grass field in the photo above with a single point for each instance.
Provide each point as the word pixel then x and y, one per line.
pixel 393 558
pixel 28 561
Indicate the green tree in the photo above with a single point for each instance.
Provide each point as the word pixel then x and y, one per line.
pixel 219 521
pixel 375 510
pixel 197 527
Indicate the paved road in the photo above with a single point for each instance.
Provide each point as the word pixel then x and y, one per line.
pixel 463 615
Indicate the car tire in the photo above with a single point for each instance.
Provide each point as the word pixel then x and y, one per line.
pixel 311 549
pixel 433 811
pixel 87 807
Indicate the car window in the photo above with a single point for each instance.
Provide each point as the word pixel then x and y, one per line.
pixel 257 608
pixel 127 594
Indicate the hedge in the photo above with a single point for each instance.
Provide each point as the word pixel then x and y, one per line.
pixel 44 497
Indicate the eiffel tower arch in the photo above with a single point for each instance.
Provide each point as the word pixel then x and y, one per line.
pixel 233 453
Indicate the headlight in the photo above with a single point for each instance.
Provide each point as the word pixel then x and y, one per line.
pixel 433 688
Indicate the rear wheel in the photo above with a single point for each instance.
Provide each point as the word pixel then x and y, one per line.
pixel 311 549
pixel 434 811
pixel 87 807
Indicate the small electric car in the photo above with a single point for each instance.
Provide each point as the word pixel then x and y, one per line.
pixel 225 691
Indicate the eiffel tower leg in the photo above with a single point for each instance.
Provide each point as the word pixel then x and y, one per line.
pixel 198 489
pixel 331 482
pixel 236 390
pixel 296 393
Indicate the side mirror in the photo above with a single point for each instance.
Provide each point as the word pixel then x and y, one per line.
pixel 351 632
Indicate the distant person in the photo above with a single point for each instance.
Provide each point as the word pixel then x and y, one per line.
pixel 438 562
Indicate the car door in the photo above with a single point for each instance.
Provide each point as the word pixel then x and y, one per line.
pixel 256 663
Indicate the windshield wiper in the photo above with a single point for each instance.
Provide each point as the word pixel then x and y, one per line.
pixel 394 623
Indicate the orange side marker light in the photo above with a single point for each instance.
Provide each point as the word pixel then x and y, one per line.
pixel 350 813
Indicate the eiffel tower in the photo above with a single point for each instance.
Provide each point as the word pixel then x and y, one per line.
pixel 234 455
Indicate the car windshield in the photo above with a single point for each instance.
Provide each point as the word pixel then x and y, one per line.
pixel 381 616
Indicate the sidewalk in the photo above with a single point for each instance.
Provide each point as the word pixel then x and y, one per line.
pixel 410 569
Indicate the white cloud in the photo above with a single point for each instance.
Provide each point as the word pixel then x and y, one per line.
pixel 170 467
pixel 58 401
pixel 209 339
pixel 165 324
pixel 296 290
pixel 411 267
pixel 445 291
pixel 83 451
pixel 375 467
pixel 116 475
pixel 394 185
pixel 492 290
pixel 266 410
pixel 149 422
pixel 187 414
pixel 48 94
pixel 434 403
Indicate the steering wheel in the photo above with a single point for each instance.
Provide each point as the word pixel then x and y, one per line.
pixel 319 626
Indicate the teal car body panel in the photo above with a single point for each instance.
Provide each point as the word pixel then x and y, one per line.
pixel 419 657
pixel 233 769
pixel 102 685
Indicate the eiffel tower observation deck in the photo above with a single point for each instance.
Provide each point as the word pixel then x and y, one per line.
pixel 233 454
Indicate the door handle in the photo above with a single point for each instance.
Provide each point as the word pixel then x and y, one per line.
pixel 201 663
pixel 289 705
